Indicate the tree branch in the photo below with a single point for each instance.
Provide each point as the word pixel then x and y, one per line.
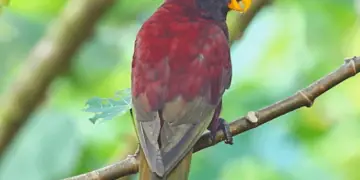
pixel 304 97
pixel 49 58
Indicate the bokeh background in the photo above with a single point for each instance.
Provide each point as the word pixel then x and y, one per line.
pixel 288 45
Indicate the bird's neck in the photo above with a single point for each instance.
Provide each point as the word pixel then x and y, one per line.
pixel 184 2
pixel 190 9
pixel 203 7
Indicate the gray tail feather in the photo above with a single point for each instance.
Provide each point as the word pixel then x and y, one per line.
pixel 154 176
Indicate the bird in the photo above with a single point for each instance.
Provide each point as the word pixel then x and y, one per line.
pixel 180 69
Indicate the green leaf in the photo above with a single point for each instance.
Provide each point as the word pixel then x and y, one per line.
pixel 109 108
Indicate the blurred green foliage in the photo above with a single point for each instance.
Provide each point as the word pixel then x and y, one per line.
pixel 288 45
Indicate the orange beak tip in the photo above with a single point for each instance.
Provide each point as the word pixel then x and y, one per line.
pixel 234 5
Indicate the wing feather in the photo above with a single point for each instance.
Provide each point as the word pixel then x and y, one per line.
pixel 176 93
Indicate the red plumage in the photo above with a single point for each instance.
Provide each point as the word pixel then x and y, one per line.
pixel 180 70
pixel 169 52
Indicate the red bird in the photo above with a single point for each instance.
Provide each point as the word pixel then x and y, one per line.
pixel 180 69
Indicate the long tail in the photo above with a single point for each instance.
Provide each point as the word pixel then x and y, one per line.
pixel 180 172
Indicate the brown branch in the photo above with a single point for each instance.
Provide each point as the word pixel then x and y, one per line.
pixel 122 168
pixel 49 58
pixel 305 97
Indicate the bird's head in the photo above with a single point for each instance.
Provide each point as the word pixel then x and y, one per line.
pixel 218 9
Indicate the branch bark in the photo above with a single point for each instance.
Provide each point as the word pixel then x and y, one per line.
pixel 48 59
pixel 303 98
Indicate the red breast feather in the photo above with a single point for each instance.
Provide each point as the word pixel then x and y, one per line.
pixel 182 55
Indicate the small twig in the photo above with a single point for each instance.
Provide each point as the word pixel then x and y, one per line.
pixel 305 97
pixel 50 57
pixel 120 169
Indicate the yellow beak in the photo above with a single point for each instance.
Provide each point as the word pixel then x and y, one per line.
pixel 234 5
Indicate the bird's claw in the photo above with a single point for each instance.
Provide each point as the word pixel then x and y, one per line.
pixel 225 128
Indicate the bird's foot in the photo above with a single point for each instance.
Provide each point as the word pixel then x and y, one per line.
pixel 222 125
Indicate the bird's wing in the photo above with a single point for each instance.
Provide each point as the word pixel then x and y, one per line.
pixel 176 138
pixel 177 82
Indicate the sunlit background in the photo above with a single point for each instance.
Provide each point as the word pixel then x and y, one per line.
pixel 288 45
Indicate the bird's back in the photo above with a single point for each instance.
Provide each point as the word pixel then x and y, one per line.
pixel 180 69
pixel 176 37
